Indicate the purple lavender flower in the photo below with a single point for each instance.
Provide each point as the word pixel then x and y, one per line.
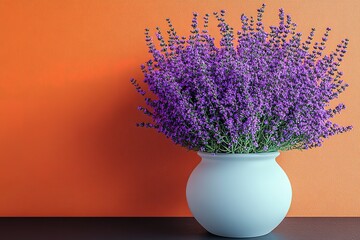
pixel 256 92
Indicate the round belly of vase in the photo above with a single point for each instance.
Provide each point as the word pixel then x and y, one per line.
pixel 239 195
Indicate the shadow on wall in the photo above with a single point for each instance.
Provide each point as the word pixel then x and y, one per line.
pixel 145 172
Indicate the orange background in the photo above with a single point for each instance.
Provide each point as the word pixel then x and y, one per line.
pixel 68 144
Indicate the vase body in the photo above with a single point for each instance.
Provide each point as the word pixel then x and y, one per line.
pixel 239 195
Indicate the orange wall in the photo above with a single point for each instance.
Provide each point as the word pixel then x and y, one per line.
pixel 68 144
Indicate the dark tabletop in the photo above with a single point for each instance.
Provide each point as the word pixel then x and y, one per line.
pixel 166 228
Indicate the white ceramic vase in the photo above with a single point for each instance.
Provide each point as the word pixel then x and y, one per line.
pixel 239 195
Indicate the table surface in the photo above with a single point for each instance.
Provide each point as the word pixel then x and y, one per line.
pixel 160 228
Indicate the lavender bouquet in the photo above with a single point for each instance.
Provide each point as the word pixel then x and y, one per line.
pixel 254 92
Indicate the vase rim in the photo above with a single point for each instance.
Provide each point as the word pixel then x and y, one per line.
pixel 263 155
